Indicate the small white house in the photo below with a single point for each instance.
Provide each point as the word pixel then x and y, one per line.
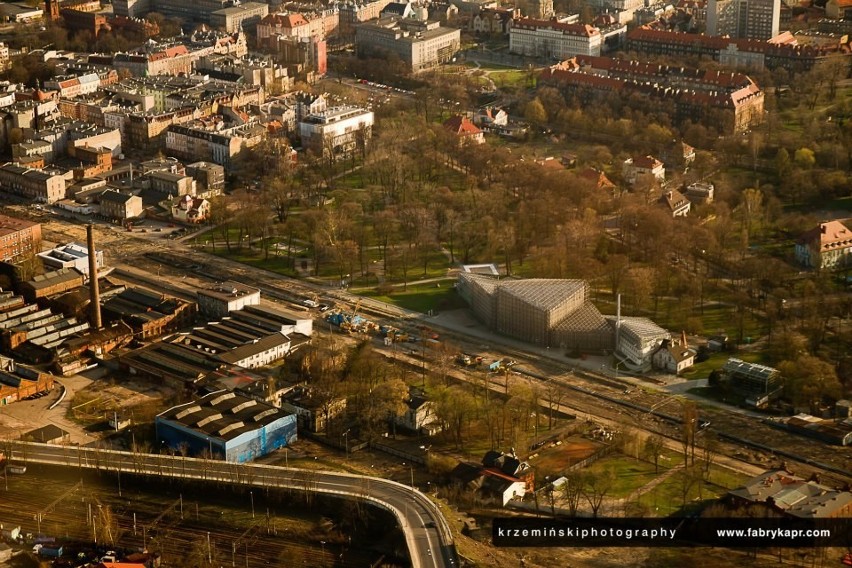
pixel 638 166
pixel 490 116
pixel 419 416
pixel 673 356
pixel 188 209
pixel 504 487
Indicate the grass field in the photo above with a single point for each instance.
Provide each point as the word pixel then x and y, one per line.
pixel 277 264
pixel 630 473
pixel 668 497
pixel 703 369
pixel 509 78
pixel 435 296
pixel 839 204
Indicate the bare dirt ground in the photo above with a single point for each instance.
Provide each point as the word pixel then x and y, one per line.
pixel 90 398
pixel 21 417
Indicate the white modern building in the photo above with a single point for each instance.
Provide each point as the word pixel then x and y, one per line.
pixel 337 130
pixel 72 255
pixel 636 341
pixel 554 40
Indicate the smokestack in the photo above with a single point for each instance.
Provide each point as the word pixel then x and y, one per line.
pixel 617 321
pixel 94 293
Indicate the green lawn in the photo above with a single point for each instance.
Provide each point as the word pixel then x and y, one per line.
pixel 436 296
pixel 724 319
pixel 255 258
pixel 437 264
pixel 630 473
pixel 509 78
pixel 703 369
pixel 667 498
pixel 352 180
pixel 839 204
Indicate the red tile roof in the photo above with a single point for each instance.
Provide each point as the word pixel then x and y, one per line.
pixel 461 126
pixel 597 177
pixel 567 29
pixel 646 162
pixel 831 235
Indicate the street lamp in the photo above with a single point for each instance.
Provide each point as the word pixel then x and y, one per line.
pixel 426 450
pixel 411 468
pixel 346 441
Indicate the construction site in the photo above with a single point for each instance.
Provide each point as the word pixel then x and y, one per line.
pixel 560 314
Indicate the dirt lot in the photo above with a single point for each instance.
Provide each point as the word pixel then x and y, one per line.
pixel 89 400
pixel 559 457
pixel 96 402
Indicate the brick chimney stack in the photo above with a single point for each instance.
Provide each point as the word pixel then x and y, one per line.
pixel 94 292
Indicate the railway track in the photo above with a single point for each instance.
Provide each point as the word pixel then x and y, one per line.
pixel 767 444
pixel 177 537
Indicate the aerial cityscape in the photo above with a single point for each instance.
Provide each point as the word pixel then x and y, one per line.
pixel 425 283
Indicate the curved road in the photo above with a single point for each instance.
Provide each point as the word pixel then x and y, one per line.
pixel 426 531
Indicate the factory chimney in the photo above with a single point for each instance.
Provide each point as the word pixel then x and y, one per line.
pixel 94 293
pixel 617 322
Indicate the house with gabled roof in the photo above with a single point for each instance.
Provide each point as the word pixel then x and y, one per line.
pixel 466 131
pixel 598 178
pixel 399 10
pixel 638 166
pixel 491 116
pixel 828 245
pixel 190 209
pixel 675 203
pixel 419 415
pixel 673 356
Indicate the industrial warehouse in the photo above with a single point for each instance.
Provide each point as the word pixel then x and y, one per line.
pixel 226 424
pixel 67 321
pixel 249 338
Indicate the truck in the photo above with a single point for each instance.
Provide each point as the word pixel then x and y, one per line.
pixel 468 360
pixel 501 365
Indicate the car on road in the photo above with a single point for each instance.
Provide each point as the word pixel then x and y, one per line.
pixel 310 304
pixel 324 307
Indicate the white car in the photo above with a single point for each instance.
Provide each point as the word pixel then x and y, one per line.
pixel 309 303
